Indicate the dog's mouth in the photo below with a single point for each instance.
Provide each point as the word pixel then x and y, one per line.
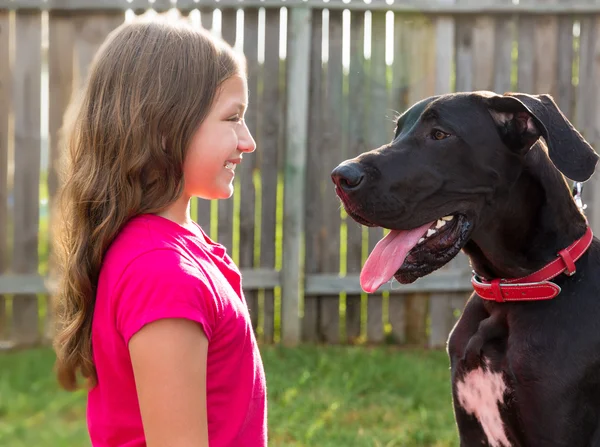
pixel 410 254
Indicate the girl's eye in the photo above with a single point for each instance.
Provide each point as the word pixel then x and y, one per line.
pixel 439 135
pixel 235 118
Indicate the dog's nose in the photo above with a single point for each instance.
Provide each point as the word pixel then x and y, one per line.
pixel 348 176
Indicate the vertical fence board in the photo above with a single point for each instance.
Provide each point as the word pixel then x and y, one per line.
pixel 330 156
pixel 378 133
pixel 310 318
pixel 91 31
pixel 565 96
pixel 60 85
pixel 483 51
pixel 294 204
pixel 422 85
pixel 400 86
pixel 439 303
pixel 503 47
pixel 271 130
pixel 225 213
pixel 464 54
pixel 5 109
pixel 203 206
pixel 26 100
pixel 245 187
pixel 356 145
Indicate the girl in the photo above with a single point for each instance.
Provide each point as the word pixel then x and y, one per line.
pixel 152 311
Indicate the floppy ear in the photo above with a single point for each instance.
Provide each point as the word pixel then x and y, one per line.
pixel 523 118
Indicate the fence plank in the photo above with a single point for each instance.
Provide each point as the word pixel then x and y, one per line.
pixel 60 84
pixel 225 207
pixel 422 85
pixel 565 94
pixel 330 155
pixel 356 145
pixel 271 157
pixel 310 318
pixel 203 206
pixel 464 54
pixel 91 31
pixel 503 48
pixel 5 109
pixel 483 53
pixel 378 133
pixel 400 87
pixel 26 99
pixel 297 84
pixel 245 186
pixel 588 107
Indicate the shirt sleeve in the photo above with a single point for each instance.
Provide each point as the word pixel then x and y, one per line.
pixel 162 284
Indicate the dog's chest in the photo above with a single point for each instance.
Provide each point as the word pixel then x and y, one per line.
pixel 481 393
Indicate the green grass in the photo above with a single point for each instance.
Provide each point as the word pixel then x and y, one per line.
pixel 325 396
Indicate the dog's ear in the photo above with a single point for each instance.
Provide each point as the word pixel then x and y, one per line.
pixel 523 118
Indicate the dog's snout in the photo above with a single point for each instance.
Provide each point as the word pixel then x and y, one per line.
pixel 348 176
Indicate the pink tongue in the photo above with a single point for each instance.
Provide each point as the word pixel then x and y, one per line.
pixel 388 256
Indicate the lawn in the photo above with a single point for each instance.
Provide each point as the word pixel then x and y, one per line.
pixel 318 396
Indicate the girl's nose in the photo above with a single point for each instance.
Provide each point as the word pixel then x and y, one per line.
pixel 246 143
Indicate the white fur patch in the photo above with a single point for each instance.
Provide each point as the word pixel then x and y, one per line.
pixel 480 393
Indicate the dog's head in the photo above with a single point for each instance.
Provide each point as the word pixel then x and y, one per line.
pixel 450 158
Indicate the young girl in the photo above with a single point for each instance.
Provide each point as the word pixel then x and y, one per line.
pixel 152 311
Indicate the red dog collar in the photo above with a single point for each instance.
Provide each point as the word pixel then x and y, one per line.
pixel 536 286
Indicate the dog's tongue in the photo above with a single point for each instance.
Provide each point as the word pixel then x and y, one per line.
pixel 387 257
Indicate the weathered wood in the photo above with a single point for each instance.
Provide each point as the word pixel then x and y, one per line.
pixel 526 57
pixel 565 94
pixel 422 84
pixel 225 207
pixel 330 154
pixel 245 186
pixel 271 157
pixel 444 52
pixel 26 100
pixel 90 32
pixel 503 47
pixel 464 54
pixel 356 129
pixel 203 206
pixel 5 111
pixel 546 53
pixel 483 53
pixel 60 85
pixel 588 107
pixel 310 307
pixel 379 132
pixel 33 283
pixel 405 6
pixel 447 280
pixel 299 26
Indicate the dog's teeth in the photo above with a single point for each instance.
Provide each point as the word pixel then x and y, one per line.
pixel 430 232
pixel 440 223
pixel 448 218
pixel 421 240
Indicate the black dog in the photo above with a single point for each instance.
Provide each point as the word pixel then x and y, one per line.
pixel 468 171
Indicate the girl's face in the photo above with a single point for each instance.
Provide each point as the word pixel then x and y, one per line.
pixel 218 145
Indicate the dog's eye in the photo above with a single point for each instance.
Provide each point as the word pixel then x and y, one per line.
pixel 439 135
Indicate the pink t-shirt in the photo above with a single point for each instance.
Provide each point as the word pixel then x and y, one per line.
pixel 158 269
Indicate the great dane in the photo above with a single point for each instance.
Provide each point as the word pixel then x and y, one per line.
pixel 490 175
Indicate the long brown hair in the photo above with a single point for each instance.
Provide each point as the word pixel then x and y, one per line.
pixel 150 86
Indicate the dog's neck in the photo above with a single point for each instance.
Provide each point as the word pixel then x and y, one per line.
pixel 528 224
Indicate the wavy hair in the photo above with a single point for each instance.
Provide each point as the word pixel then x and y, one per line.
pixel 150 86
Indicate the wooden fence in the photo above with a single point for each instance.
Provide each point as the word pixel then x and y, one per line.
pixel 326 80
